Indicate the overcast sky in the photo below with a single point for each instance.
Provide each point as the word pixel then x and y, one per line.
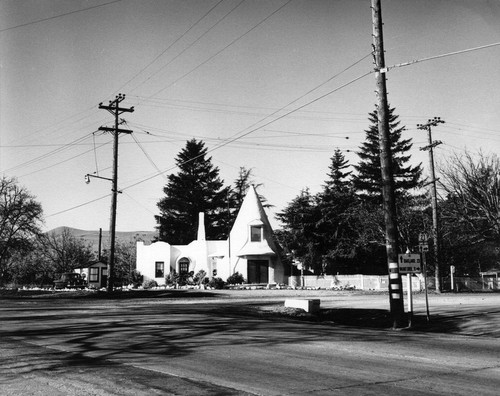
pixel 272 85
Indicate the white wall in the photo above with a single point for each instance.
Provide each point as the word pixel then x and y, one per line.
pixel 147 255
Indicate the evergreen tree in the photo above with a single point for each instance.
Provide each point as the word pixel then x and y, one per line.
pixel 240 189
pixel 299 220
pixel 368 180
pixel 196 188
pixel 336 206
pixel 337 175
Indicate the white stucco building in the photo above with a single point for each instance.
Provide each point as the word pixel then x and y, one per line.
pixel 249 250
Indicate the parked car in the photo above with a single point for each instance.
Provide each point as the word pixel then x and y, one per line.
pixel 70 280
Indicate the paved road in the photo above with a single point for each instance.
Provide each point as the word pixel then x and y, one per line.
pixel 139 347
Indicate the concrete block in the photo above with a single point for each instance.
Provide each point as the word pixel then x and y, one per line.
pixel 308 305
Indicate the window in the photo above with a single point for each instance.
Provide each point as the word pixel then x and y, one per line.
pixel 255 233
pixel 159 269
pixel 94 274
pixel 183 265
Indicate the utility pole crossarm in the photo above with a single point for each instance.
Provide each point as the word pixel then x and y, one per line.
pixel 433 190
pixel 435 143
pixel 119 130
pixel 114 108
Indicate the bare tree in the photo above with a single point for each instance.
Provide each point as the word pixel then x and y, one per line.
pixel 20 221
pixel 64 252
pixel 472 187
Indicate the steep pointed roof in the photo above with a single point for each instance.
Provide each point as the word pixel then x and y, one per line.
pixel 252 213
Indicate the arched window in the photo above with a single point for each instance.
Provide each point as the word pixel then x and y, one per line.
pixel 184 265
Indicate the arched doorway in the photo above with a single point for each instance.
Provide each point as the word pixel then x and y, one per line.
pixel 183 265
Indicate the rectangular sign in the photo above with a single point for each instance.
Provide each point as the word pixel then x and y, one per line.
pixel 409 263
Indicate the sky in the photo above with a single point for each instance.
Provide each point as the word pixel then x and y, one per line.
pixel 274 86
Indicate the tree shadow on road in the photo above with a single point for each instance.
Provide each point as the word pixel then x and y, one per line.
pixel 124 294
pixel 360 318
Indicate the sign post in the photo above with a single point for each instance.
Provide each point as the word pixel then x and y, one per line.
pixel 410 299
pixel 452 272
pixel 409 264
pixel 423 238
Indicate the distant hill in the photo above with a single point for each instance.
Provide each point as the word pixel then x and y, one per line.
pixel 93 236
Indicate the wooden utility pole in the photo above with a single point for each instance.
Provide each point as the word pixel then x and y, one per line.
pixel 435 220
pixel 114 108
pixel 389 201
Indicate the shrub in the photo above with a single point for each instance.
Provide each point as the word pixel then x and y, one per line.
pixel 136 278
pixel 149 283
pixel 236 279
pixel 186 278
pixel 216 283
pixel 172 278
pixel 200 277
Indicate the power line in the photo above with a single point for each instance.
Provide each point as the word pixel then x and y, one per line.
pixel 236 137
pixel 192 44
pixel 58 16
pixel 162 102
pixel 149 158
pixel 222 50
pixel 64 161
pixel 38 131
pixel 50 153
pixel 171 45
pixel 442 56
pixel 77 206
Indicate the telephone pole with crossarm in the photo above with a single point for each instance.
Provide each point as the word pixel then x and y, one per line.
pixel 435 220
pixel 388 195
pixel 114 108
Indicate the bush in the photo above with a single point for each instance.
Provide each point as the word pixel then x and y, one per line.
pixel 172 279
pixel 200 277
pixel 236 279
pixel 149 283
pixel 216 283
pixel 186 278
pixel 136 278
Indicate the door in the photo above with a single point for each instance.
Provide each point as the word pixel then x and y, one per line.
pixel 258 271
pixel 104 277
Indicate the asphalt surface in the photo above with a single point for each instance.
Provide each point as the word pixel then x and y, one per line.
pixel 234 343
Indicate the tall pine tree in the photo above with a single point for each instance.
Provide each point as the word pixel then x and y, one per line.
pixel 337 176
pixel 298 234
pixel 196 188
pixel 336 205
pixel 368 180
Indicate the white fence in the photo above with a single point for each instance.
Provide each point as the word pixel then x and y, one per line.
pixel 358 282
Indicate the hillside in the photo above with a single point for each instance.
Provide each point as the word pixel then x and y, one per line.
pixel 93 236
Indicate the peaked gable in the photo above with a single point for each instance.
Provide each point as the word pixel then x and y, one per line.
pixel 252 214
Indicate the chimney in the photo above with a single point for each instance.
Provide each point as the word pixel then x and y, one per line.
pixel 201 226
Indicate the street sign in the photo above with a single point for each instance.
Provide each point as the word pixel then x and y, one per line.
pixel 423 248
pixel 423 237
pixel 409 263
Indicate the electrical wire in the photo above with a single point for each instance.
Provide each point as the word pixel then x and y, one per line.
pixel 58 16
pixel 149 158
pixel 222 50
pixel 38 132
pixel 95 155
pixel 190 45
pixel 64 161
pixel 78 206
pixel 170 46
pixel 46 155
pixel 412 62
pixel 239 136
